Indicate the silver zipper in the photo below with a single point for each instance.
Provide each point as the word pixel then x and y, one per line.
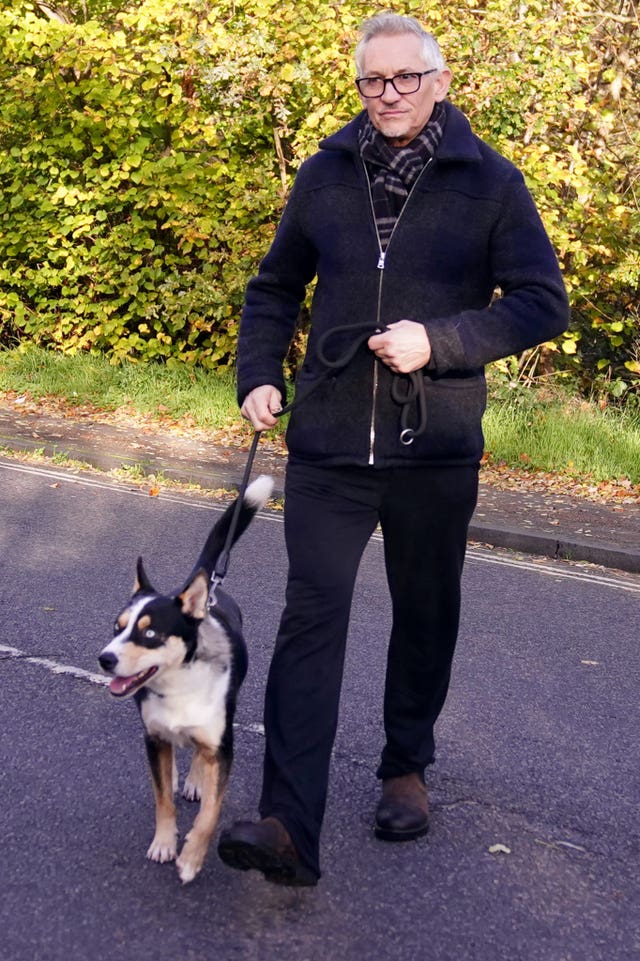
pixel 382 256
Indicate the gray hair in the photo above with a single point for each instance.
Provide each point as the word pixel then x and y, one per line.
pixel 393 24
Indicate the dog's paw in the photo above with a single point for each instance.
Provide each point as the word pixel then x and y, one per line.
pixel 191 790
pixel 162 849
pixel 191 860
pixel 188 868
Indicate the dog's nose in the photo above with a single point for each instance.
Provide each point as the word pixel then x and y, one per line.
pixel 107 661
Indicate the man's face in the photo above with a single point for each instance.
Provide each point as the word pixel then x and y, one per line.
pixel 401 117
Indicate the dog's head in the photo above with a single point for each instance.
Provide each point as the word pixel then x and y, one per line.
pixel 154 633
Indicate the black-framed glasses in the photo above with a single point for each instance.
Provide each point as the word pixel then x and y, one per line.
pixel 372 87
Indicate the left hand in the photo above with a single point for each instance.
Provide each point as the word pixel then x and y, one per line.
pixel 404 346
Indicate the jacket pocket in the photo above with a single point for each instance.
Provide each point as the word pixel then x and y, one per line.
pixel 455 406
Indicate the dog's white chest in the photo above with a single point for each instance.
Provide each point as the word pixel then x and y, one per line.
pixel 190 702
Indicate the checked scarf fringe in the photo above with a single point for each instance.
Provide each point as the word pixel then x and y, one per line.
pixel 393 170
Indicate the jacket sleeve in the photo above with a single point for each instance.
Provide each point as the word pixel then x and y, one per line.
pixel 272 302
pixel 533 306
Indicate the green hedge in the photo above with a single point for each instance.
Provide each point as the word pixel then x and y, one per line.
pixel 146 152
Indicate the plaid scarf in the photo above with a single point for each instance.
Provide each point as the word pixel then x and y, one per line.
pixel 393 170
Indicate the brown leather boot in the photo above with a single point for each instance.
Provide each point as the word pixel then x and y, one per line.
pixel 266 846
pixel 403 811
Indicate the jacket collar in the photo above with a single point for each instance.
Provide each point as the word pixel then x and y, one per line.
pixel 458 144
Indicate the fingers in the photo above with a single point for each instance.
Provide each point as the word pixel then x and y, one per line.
pixel 403 347
pixel 261 405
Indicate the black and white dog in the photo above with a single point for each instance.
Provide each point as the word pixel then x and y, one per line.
pixel 184 661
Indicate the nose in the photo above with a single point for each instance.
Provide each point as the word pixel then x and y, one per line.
pixel 107 661
pixel 389 94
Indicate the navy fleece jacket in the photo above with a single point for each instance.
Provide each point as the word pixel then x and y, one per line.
pixel 469 227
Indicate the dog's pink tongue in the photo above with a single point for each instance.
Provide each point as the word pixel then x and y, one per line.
pixel 120 685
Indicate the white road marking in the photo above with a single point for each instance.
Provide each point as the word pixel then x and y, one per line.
pixel 116 487
pixel 13 653
pixel 54 666
pixel 554 569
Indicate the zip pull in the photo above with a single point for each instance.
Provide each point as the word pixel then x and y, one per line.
pixel 381 259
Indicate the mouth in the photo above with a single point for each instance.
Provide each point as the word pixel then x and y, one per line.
pixel 123 686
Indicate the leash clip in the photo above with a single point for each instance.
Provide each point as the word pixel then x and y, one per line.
pixel 407 436
pixel 216 581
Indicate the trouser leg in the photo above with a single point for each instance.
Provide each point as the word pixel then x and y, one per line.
pixel 329 517
pixel 425 517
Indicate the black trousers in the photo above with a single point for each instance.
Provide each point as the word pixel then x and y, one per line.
pixel 330 514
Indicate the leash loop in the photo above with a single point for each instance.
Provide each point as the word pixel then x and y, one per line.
pixel 366 330
pixel 405 389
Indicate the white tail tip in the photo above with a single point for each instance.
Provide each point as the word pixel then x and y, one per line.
pixel 259 491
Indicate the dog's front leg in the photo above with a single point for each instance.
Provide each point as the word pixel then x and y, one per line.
pixel 213 769
pixel 161 762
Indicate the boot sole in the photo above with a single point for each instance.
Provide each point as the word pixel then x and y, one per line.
pixel 244 856
pixel 387 834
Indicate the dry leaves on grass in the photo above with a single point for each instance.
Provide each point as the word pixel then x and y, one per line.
pixel 554 482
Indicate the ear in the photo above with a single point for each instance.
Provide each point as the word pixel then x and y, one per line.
pixel 142 582
pixel 442 84
pixel 195 596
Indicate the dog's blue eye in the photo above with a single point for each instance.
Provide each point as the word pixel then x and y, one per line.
pixel 149 633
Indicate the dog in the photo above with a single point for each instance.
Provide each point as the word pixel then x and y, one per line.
pixel 183 660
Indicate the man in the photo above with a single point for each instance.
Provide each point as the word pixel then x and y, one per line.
pixel 415 227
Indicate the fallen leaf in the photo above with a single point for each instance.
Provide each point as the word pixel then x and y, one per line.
pixel 499 849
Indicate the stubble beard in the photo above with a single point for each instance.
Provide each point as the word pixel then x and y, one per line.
pixel 396 134
pixel 397 138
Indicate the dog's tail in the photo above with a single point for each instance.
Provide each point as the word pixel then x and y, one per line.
pixel 256 496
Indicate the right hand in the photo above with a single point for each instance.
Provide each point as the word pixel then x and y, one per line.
pixel 260 406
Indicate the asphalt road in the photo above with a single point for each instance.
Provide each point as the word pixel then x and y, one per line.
pixel 538 755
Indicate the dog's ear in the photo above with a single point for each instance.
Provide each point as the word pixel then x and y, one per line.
pixel 195 596
pixel 142 582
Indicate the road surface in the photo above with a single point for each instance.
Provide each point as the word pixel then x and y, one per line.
pixel 533 851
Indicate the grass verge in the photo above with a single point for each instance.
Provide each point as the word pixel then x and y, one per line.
pixel 552 431
pixel 206 398
pixel 528 429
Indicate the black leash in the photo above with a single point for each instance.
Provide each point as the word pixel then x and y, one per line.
pixel 405 388
pixel 222 563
